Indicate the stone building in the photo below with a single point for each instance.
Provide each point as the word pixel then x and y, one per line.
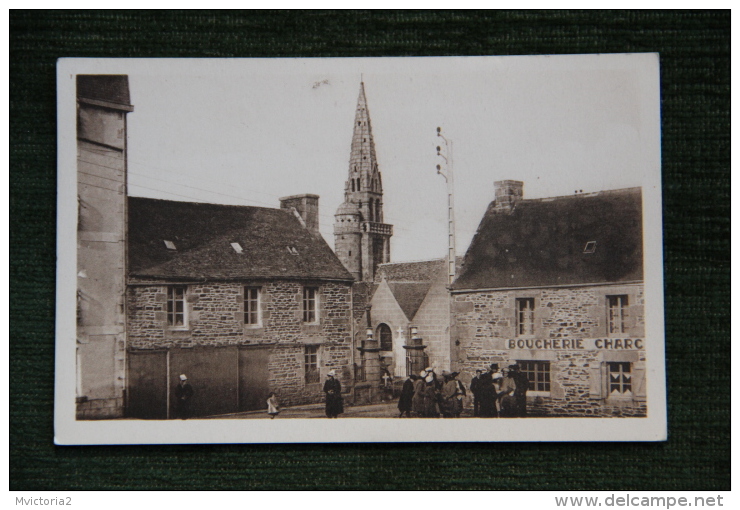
pixel 243 300
pixel 103 101
pixel 556 285
pixel 410 308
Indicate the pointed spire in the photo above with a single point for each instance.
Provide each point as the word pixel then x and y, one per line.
pixel 363 165
pixel 361 239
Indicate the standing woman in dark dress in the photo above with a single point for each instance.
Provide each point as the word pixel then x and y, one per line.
pixel 487 394
pixel 333 390
pixel 431 395
pixel 183 394
pixel 407 395
pixel 417 401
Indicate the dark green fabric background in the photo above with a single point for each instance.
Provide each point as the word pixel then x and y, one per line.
pixel 695 67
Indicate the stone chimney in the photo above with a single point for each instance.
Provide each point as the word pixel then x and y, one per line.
pixel 306 207
pixel 508 193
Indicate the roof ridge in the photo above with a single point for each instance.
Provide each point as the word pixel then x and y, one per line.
pixel 413 261
pixel 210 204
pixel 583 194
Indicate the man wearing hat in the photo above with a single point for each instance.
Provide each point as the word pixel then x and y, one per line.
pixel 333 390
pixel 183 394
pixel 522 385
pixel 487 393
pixel 452 393
pixel 506 390
pixel 475 390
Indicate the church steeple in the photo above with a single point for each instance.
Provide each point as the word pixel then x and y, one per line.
pixel 361 239
pixel 363 162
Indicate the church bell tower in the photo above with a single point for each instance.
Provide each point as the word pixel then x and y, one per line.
pixel 361 239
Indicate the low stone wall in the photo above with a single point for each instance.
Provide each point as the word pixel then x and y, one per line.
pixel 100 409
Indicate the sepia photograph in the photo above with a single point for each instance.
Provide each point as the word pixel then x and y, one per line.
pixel 360 250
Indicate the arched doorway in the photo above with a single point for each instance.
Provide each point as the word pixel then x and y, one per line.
pixel 385 336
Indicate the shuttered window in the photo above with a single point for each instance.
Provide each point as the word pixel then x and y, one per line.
pixel 619 379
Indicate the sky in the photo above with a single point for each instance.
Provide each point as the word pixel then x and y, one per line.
pixel 248 131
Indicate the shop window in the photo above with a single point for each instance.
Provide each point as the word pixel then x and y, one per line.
pixel 311 364
pixel 617 314
pixel 386 337
pixel 252 306
pixel 620 379
pixel 176 316
pixel 310 304
pixel 537 372
pixel 525 316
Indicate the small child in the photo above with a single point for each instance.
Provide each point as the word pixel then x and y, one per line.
pixel 272 406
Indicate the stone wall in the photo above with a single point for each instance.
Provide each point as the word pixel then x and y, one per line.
pixel 99 408
pixel 215 317
pixel 433 321
pixel 570 326
pixel 386 310
pixel 101 255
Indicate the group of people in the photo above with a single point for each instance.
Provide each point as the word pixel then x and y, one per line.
pixel 427 396
pixel 496 393
pixel 499 393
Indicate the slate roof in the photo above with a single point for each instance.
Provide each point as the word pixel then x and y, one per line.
pixel 409 295
pixel 421 271
pixel 112 88
pixel 542 242
pixel 203 233
pixel 410 281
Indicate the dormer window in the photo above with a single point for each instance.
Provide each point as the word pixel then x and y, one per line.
pixel 170 245
pixel 590 247
pixel 237 247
